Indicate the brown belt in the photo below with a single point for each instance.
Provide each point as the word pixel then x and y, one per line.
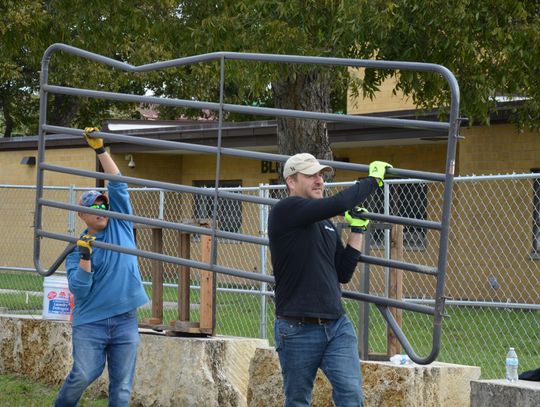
pixel 307 320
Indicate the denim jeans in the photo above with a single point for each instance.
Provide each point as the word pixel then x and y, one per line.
pixel 304 347
pixel 114 340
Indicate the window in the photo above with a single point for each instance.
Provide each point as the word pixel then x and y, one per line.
pixel 408 201
pixel 536 217
pixel 229 212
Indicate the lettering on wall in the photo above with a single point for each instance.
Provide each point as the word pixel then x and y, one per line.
pixel 269 167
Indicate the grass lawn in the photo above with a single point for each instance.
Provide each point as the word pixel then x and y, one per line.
pixel 21 392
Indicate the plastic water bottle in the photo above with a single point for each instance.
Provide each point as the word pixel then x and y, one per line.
pixel 511 365
pixel 400 359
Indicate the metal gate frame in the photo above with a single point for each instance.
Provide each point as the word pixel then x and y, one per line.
pixel 382 303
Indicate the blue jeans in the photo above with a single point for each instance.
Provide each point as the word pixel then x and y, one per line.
pixel 114 339
pixel 304 347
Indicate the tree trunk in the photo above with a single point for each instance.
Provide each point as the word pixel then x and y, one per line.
pixel 303 91
pixel 63 110
pixel 8 119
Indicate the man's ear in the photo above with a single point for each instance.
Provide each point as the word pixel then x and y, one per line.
pixel 289 181
pixel 291 184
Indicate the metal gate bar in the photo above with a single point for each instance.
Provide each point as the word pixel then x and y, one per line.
pixel 237 273
pixel 167 144
pixel 264 111
pixel 221 194
pixel 229 235
pixel 382 303
pixel 229 195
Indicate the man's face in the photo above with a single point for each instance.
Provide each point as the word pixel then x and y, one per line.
pixel 306 186
pixel 95 223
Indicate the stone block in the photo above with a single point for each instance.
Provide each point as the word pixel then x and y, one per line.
pixel 502 393
pixel 35 348
pixel 412 385
pixel 384 384
pixel 171 371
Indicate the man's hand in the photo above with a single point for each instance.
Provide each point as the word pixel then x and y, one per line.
pixel 377 169
pixel 357 224
pixel 85 250
pixel 94 142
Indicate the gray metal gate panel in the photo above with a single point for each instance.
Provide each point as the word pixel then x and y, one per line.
pixel 382 303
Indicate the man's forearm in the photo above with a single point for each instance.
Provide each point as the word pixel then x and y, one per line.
pixel 108 164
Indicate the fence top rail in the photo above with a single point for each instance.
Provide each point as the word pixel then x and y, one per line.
pixel 266 111
pixel 289 59
pixel 246 56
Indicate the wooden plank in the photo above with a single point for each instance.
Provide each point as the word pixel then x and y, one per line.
pixel 183 325
pixel 148 322
pixel 207 318
pixel 395 287
pixel 184 277
pixel 381 357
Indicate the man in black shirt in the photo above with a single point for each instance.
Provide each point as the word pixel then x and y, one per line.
pixel 309 263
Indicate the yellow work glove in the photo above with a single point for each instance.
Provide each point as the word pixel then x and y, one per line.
pixel 94 142
pixel 377 169
pixel 85 250
pixel 357 224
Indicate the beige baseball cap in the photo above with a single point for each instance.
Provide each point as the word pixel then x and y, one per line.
pixel 304 163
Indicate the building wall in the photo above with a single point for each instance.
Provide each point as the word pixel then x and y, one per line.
pixel 420 157
pixel 384 101
pixel 498 149
pixel 13 172
pixel 159 167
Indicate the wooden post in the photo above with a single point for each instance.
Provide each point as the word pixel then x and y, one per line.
pixel 183 277
pixel 157 278
pixel 207 319
pixel 156 268
pixel 395 287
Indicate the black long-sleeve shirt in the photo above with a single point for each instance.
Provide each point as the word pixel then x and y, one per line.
pixel 308 258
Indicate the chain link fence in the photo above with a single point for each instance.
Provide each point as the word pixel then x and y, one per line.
pixel 492 280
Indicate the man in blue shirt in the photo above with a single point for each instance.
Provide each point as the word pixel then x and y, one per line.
pixel 107 290
pixel 309 262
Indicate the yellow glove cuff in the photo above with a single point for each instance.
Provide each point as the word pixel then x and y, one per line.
pixel 94 142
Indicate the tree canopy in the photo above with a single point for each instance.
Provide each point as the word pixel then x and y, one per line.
pixel 491 47
pixel 122 30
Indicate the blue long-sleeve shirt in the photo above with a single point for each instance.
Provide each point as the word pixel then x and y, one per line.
pixel 114 284
pixel 308 258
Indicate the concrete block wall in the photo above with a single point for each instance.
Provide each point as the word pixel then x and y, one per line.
pixel 384 384
pixel 502 393
pixel 220 371
pixel 170 372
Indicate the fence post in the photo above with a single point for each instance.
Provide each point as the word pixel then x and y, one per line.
pixel 387 232
pixel 161 204
pixel 363 307
pixel 263 231
pixel 72 220
pixel 395 287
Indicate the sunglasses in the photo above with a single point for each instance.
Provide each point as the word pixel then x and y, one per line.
pixel 103 206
